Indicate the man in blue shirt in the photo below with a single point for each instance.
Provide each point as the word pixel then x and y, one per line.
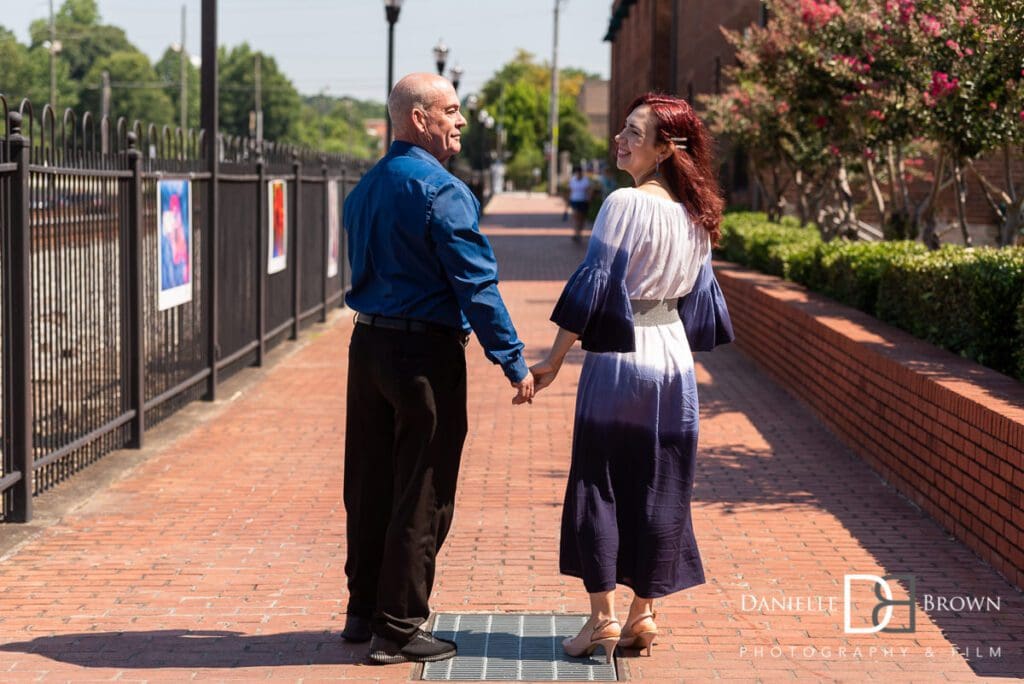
pixel 423 275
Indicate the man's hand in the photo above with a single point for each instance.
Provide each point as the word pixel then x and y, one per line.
pixel 524 390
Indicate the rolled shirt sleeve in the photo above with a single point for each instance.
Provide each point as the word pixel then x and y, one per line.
pixel 472 270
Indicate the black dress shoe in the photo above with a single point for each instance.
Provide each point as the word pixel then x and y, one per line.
pixel 357 629
pixel 424 647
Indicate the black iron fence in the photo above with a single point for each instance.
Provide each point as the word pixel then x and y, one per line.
pixel 114 315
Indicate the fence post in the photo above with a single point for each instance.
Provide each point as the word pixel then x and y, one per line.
pixel 261 261
pixel 342 238
pixel 132 240
pixel 209 122
pixel 19 342
pixel 296 246
pixel 327 236
pixel 210 269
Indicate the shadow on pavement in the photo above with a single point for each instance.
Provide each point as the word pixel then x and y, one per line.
pixel 801 465
pixel 798 465
pixel 192 649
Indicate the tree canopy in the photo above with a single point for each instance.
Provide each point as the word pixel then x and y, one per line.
pixel 518 96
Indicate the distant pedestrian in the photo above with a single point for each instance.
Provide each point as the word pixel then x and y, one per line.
pixel 580 193
pixel 643 299
pixel 423 275
pixel 608 182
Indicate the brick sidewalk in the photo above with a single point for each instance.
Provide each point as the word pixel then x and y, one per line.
pixel 221 556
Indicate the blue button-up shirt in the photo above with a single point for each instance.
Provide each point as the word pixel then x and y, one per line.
pixel 417 252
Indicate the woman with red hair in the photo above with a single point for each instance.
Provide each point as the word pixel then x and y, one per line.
pixel 643 299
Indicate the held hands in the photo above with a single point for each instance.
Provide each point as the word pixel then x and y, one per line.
pixel 540 376
pixel 524 390
pixel 544 373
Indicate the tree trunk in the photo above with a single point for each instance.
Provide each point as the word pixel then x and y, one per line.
pixel 1012 222
pixel 776 208
pixel 876 191
pixel 803 190
pixel 849 212
pixel 961 200
pixel 1003 204
pixel 890 163
pixel 925 214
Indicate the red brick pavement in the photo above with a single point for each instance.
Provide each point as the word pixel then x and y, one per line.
pixel 221 556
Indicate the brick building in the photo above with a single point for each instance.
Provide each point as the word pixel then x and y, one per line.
pixel 593 103
pixel 677 46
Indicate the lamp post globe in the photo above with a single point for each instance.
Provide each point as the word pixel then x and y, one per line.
pixel 392 8
pixel 455 75
pixel 440 56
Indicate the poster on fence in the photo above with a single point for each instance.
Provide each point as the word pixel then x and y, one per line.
pixel 277 253
pixel 333 228
pixel 174 246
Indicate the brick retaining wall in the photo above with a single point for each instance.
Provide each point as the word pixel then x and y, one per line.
pixel 944 431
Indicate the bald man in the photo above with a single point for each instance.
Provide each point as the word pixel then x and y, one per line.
pixel 423 276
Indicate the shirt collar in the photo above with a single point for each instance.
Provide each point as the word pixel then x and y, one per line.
pixel 403 148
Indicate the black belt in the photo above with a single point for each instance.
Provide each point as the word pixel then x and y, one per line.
pixel 409 325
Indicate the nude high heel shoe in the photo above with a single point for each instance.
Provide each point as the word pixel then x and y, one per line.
pixel 640 632
pixel 605 634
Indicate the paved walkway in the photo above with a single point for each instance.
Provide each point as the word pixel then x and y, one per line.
pixel 221 555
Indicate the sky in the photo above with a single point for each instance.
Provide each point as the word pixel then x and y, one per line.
pixel 339 47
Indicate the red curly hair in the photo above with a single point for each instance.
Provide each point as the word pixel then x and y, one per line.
pixel 689 172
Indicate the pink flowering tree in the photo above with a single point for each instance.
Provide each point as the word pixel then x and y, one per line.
pixel 774 63
pixel 968 73
pixel 869 85
pixel 992 113
pixel 748 115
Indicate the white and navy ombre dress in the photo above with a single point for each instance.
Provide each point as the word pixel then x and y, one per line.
pixel 644 297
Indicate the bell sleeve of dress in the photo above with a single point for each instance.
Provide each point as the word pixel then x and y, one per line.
pixel 704 313
pixel 594 303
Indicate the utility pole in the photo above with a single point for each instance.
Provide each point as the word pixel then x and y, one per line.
pixel 183 99
pixel 105 130
pixel 259 101
pixel 553 160
pixel 53 61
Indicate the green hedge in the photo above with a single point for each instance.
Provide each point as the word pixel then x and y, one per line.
pixel 965 300
pixel 1020 340
pixel 970 301
pixel 748 238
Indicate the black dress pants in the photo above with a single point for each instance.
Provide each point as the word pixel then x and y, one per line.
pixel 404 432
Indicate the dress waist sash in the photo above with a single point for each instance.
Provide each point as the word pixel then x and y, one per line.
pixel 649 312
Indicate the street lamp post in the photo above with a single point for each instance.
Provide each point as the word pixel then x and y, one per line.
pixel 440 56
pixel 455 75
pixel 487 122
pixel 391 10
pixel 53 46
pixel 553 116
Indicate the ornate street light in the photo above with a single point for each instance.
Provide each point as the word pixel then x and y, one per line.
pixel 391 10
pixel 440 56
pixel 487 121
pixel 455 75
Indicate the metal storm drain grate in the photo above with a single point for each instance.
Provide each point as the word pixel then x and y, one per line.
pixel 515 647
